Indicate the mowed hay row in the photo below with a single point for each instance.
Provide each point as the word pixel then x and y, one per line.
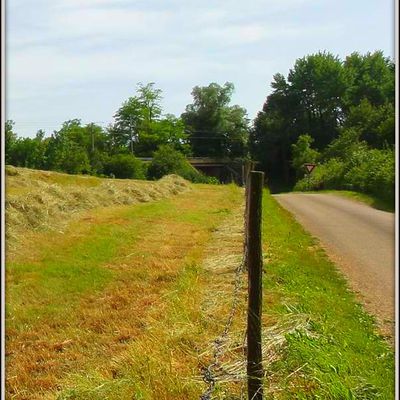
pixel 47 200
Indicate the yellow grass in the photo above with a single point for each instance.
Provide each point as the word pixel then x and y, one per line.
pixel 43 200
pixel 139 332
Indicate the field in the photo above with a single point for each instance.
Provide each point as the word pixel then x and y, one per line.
pixel 120 292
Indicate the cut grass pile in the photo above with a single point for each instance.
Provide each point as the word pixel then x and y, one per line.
pixel 126 302
pixel 110 308
pixel 48 200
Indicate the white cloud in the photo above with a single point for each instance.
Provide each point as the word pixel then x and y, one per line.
pixel 76 56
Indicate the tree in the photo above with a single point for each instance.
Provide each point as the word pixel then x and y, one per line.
pixel 318 84
pixel 371 77
pixel 302 153
pixel 136 121
pixel 67 148
pixel 215 128
pixel 376 124
pixel 9 140
pixel 309 100
pixel 167 160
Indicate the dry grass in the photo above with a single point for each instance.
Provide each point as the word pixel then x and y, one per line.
pixel 223 256
pixel 42 200
pixel 96 343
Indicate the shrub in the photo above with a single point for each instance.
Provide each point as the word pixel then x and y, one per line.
pixel 167 160
pixel 373 171
pixel 325 176
pixel 303 153
pixel 125 166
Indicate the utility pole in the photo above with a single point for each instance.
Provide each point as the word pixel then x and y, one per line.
pixel 91 130
pixel 131 132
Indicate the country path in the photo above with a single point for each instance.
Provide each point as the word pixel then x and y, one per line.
pixel 360 240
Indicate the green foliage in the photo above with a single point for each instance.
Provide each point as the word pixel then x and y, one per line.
pixel 376 124
pixel 303 153
pixel 166 160
pixel 140 127
pixel 366 170
pixel 343 106
pixel 373 171
pixel 216 129
pixel 75 148
pixel 124 166
pixel 325 176
pixel 9 140
pixel 370 77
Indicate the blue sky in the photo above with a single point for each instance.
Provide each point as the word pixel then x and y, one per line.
pixel 82 58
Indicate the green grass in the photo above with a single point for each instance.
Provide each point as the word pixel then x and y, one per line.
pixel 149 256
pixel 370 200
pixel 341 356
pixel 119 284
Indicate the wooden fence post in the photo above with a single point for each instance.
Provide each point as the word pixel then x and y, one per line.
pixel 254 265
pixel 247 170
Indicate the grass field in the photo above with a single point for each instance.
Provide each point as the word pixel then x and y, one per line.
pixel 125 302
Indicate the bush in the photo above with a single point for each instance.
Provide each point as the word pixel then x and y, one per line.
pixel 325 176
pixel 373 172
pixel 167 160
pixel 124 166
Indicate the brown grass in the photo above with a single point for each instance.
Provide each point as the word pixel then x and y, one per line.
pixel 107 333
pixel 43 200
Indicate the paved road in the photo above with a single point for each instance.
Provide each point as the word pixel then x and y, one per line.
pixel 361 241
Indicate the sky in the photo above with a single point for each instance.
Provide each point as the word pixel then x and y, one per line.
pixel 82 59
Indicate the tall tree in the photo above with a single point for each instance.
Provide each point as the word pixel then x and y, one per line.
pixel 215 128
pixel 136 119
pixel 308 101
pixel 370 76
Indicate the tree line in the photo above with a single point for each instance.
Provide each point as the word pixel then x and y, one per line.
pixel 208 127
pixel 336 113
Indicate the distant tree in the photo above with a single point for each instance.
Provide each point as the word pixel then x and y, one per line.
pixel 309 100
pixel 317 83
pixel 170 130
pixel 9 140
pixel 376 124
pixel 215 128
pixel 67 149
pixel 136 124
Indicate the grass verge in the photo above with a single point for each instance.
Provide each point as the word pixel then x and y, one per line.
pixel 373 201
pixel 339 355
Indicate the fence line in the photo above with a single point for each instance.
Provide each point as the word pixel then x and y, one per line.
pixel 251 261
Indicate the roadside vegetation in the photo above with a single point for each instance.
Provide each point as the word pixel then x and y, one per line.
pixel 337 114
pixel 210 127
pixel 338 353
pixel 126 300
pixel 373 201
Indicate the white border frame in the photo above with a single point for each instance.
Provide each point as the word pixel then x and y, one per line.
pixel 3 194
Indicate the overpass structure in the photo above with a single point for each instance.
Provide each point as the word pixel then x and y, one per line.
pixel 224 169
